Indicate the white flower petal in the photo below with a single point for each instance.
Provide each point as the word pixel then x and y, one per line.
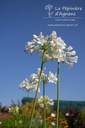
pixel 52 78
pixel 69 48
pixel 53 115
pixel 74 59
pixel 53 123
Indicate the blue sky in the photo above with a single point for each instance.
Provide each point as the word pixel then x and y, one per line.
pixel 19 20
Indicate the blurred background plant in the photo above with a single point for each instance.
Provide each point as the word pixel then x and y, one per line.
pixel 51 120
pixel 21 118
pixel 72 116
pixel 81 118
pixel 69 118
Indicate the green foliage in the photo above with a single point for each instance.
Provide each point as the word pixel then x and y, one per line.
pixel 22 119
pixel 82 114
pixel 19 121
pixel 27 109
pixel 70 118
pixel 81 118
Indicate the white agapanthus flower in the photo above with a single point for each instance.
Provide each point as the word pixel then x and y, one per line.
pixel 53 123
pixel 32 83
pixel 45 100
pixel 52 78
pixel 14 110
pixel 55 48
pixel 53 115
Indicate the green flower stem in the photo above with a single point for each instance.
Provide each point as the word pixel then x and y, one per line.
pixel 43 89
pixel 44 124
pixel 15 121
pixel 36 95
pixel 58 94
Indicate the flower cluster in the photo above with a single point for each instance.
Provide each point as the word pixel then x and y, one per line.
pixel 45 100
pixel 32 83
pixel 54 47
pixel 14 110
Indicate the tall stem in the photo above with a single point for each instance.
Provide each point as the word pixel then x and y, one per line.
pixel 43 88
pixel 44 124
pixel 36 95
pixel 58 93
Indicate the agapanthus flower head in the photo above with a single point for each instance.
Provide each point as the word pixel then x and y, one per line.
pixel 32 83
pixel 14 110
pixel 45 100
pixel 55 48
